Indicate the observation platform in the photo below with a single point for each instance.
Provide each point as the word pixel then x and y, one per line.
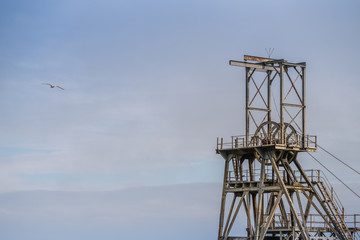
pixel 239 144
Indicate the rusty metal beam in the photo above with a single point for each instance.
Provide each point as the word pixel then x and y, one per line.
pixel 234 217
pixel 230 213
pixel 288 198
pixel 256 66
pixel 258 109
pixel 260 206
pixel 223 198
pixel 340 233
pixel 300 64
pixel 271 216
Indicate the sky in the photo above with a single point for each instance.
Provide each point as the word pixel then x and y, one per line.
pixel 148 89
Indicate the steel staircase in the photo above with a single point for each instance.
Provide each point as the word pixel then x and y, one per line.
pixel 334 209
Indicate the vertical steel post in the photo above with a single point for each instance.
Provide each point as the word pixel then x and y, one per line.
pixel 259 215
pixel 223 198
pixel 304 105
pixel 269 94
pixel 269 98
pixel 247 105
pixel 282 140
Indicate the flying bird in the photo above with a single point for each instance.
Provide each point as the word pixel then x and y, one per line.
pixel 53 86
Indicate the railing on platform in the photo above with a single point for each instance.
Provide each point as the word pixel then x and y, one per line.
pixel 236 142
pixel 316 221
pixel 314 175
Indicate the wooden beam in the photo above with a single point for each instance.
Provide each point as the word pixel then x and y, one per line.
pixel 258 59
pixel 262 59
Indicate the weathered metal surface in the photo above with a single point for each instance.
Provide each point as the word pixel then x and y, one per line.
pixel 280 71
pixel 269 190
pixel 258 59
pixel 257 67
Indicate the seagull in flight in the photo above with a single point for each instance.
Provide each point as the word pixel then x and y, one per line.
pixel 53 86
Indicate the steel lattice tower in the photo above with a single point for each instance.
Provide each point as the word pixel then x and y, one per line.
pixel 265 189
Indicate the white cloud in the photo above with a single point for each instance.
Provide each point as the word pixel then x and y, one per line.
pixel 154 212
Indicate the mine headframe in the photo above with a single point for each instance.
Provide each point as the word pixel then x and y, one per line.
pixel 266 192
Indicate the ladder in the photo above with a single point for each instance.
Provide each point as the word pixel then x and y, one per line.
pixel 334 209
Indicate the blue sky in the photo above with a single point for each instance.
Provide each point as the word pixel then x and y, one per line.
pixel 148 89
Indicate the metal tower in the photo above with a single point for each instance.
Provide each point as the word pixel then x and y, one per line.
pixel 266 192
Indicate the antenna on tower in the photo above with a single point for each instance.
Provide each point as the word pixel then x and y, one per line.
pixel 269 51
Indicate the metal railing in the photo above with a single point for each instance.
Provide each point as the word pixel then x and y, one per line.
pixel 314 221
pixel 240 141
pixel 314 176
pixel 317 177
pixel 333 196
